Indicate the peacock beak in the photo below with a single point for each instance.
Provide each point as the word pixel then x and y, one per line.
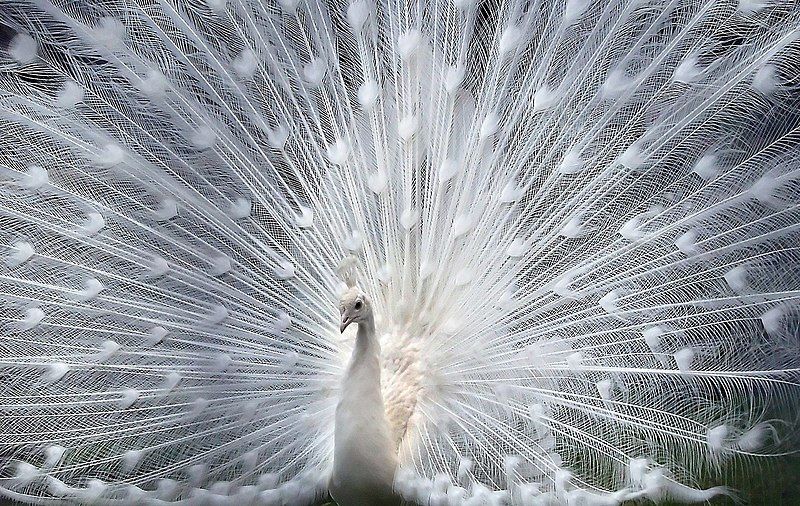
pixel 346 320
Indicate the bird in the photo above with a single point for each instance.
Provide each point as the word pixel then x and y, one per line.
pixel 364 452
pixel 440 252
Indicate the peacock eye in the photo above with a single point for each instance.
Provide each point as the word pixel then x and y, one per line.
pixel 358 305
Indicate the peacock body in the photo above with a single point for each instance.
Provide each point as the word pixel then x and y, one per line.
pixel 569 231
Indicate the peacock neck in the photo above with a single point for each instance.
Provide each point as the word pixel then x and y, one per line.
pixel 364 456
pixel 363 375
pixel 367 346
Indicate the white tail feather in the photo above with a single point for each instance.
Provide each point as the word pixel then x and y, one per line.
pixel 576 222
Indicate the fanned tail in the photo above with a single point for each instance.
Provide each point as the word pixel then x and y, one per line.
pixel 576 221
pixel 597 273
pixel 168 309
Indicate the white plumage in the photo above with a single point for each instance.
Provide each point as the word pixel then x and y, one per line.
pixel 575 226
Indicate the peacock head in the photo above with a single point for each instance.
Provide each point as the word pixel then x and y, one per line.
pixel 354 307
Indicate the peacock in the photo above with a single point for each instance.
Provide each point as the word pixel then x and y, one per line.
pixel 433 252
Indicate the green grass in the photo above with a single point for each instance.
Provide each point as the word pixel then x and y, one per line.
pixel 776 482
